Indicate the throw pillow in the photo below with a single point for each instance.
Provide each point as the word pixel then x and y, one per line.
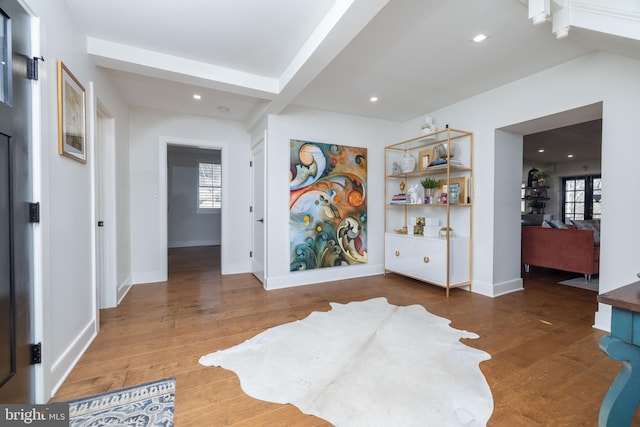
pixel 589 225
pixel 554 223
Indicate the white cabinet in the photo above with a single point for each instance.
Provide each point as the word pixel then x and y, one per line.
pixel 444 260
pixel 425 258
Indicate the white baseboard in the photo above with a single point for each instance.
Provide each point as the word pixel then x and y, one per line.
pixel 498 289
pixel 603 318
pixel 148 277
pixel 309 277
pixel 190 243
pixel 62 366
pixel 123 288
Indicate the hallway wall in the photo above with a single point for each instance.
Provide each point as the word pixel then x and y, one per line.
pixel 65 273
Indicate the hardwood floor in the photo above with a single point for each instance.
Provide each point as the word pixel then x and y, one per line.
pixel 546 368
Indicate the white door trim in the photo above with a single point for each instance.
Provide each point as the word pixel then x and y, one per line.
pixel 259 145
pixel 163 274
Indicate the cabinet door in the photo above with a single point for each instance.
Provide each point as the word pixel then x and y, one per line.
pixel 419 257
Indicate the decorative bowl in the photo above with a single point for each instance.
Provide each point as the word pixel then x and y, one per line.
pixel 442 150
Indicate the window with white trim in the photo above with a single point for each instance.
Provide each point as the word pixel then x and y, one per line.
pixel 209 187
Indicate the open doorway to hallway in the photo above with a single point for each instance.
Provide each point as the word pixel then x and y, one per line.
pixel 194 198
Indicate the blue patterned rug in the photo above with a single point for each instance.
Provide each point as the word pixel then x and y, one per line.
pixel 149 404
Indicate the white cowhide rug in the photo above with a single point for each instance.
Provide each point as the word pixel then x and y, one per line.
pixel 366 363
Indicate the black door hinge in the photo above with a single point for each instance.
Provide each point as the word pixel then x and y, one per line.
pixel 250 254
pixel 32 67
pixel 250 163
pixel 36 353
pixel 34 212
pixel 250 208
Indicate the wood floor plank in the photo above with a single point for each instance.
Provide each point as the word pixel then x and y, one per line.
pixel 546 367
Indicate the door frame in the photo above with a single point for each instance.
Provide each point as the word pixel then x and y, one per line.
pixel 163 199
pixel 261 144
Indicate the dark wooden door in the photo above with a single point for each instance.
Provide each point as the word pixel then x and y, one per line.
pixel 16 232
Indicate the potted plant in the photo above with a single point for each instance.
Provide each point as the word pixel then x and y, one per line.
pixel 429 185
pixel 537 206
pixel 541 176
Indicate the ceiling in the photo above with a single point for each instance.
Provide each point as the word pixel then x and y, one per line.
pixel 582 141
pixel 248 58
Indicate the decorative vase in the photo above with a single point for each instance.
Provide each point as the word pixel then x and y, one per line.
pixel 408 163
pixel 428 195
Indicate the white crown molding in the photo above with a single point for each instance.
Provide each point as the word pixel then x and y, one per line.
pixel 617 17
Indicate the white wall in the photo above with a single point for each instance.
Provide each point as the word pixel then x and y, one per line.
pixel 66 282
pixel 150 131
pixel 586 80
pixel 506 210
pixel 331 128
pixel 187 227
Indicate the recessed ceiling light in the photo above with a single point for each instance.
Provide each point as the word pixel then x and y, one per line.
pixel 479 38
pixel 570 155
pixel 541 150
pixel 197 96
pixel 223 109
pixel 373 99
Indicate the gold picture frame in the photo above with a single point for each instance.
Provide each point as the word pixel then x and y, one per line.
pixel 424 158
pixel 72 119
pixel 463 182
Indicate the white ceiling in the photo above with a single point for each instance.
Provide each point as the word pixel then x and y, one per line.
pixel 582 141
pixel 257 57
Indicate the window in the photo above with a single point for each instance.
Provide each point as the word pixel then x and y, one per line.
pixel 209 187
pixel 581 197
pixel 5 59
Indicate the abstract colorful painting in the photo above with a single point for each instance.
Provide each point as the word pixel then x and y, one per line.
pixel 328 205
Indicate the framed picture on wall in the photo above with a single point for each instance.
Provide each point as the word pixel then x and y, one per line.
pixel 72 128
pixel 424 158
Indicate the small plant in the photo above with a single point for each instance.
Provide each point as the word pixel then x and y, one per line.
pixel 429 183
pixel 536 206
pixel 541 174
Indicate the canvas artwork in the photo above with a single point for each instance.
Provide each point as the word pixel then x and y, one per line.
pixel 327 205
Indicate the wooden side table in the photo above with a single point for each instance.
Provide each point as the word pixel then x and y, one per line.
pixel 620 402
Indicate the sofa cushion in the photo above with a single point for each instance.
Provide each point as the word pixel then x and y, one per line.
pixel 589 224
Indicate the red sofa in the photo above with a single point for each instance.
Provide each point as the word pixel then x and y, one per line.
pixel 561 249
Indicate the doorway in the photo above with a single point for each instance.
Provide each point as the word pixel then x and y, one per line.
pixel 562 144
pixel 194 200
